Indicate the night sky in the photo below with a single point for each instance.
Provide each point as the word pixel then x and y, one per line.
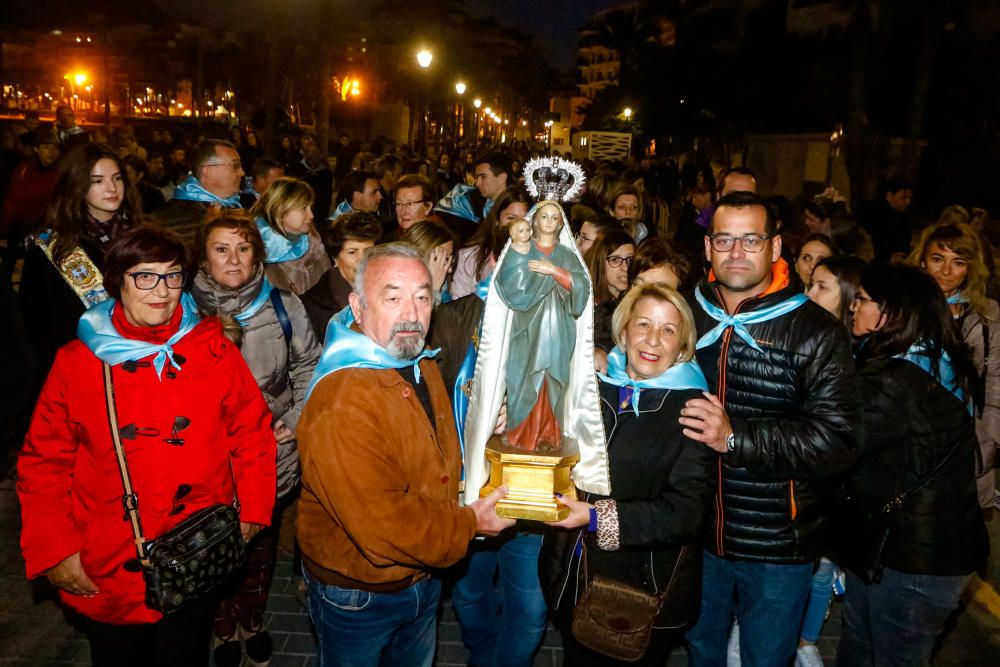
pixel 554 23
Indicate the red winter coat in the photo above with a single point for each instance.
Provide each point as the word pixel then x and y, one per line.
pixel 68 480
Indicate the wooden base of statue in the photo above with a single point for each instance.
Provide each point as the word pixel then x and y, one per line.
pixel 532 480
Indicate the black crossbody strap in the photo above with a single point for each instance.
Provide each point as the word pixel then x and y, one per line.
pixel 129 501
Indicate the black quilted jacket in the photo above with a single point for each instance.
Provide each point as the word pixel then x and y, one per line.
pixel 796 412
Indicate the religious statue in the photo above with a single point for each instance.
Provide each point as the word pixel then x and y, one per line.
pixel 536 360
pixel 546 287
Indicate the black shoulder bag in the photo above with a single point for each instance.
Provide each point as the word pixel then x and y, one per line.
pixel 191 559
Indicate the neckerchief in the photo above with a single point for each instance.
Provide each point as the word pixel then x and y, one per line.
pixel 278 248
pixel 343 208
pixel 243 317
pixel 346 348
pixel 687 375
pixel 739 321
pixel 192 190
pixel 917 355
pixel 98 333
pixel 463 379
pixel 458 203
pixel 957 298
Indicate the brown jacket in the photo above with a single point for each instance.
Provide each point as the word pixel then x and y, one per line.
pixel 379 487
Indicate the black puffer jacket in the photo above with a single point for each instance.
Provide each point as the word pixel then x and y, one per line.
pixel 662 482
pixel 795 411
pixel 919 441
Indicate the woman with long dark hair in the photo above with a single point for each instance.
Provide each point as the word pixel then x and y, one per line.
pixel 476 260
pixel 93 203
pixel 918 533
pixel 608 261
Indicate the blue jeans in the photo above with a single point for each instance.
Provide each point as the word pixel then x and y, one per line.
pixel 514 637
pixel 896 621
pixel 819 601
pixel 361 629
pixel 769 599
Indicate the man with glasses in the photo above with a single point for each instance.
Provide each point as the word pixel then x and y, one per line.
pixel 783 412
pixel 217 174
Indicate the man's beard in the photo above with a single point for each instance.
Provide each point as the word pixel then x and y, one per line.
pixel 406 347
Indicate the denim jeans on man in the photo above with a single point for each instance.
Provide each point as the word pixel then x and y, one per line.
pixel 769 600
pixel 896 621
pixel 512 639
pixel 361 629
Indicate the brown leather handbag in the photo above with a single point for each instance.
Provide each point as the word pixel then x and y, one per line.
pixel 616 619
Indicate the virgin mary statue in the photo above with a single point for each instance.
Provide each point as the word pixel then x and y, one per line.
pixel 537 352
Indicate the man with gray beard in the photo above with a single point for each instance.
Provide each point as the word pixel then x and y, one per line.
pixel 381 466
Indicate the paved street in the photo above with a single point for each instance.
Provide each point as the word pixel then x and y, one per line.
pixel 33 630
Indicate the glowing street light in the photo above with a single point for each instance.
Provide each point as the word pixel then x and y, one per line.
pixel 424 58
pixel 488 111
pixel 460 88
pixel 80 78
pixel 627 113
pixel 477 103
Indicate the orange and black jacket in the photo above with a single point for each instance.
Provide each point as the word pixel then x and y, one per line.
pixel 796 413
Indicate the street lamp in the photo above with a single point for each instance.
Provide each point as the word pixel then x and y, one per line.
pixel 477 103
pixel 459 110
pixel 627 113
pixel 424 58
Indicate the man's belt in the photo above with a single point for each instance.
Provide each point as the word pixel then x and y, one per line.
pixel 332 578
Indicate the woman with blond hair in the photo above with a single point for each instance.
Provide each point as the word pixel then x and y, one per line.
pixel 295 258
pixel 645 534
pixel 952 255
pixel 436 244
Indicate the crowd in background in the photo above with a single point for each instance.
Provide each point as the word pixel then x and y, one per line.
pixel 268 251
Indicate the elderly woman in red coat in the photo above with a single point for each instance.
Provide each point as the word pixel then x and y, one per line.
pixel 195 430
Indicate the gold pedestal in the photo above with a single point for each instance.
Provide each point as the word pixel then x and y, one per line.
pixel 532 480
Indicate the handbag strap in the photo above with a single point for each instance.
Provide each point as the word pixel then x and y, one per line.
pixel 661 597
pixel 129 501
pixel 897 502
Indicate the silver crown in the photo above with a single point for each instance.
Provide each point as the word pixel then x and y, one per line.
pixel 553 178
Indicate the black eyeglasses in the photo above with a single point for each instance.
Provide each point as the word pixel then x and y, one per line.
pixel 749 242
pixel 861 299
pixel 614 261
pixel 147 280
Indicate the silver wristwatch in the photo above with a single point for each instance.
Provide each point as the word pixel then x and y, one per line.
pixel 731 443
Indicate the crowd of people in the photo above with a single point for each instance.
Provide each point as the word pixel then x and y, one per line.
pixel 797 400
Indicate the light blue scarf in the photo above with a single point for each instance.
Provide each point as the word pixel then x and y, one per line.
pixel 98 333
pixel 687 375
pixel 243 317
pixel 277 248
pixel 343 208
pixel 458 203
pixel 192 190
pixel 917 354
pixel 739 321
pixel 345 348
pixel 957 298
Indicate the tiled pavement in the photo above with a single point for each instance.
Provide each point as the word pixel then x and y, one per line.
pixel 33 630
